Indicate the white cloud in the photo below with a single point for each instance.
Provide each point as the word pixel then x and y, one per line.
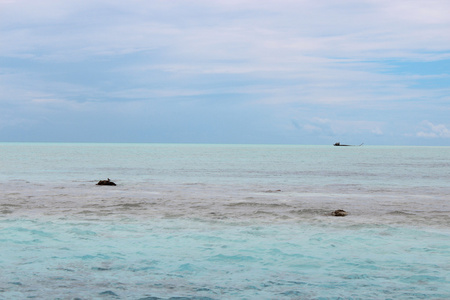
pixel 343 127
pixel 262 31
pixel 377 131
pixel 279 55
pixel 433 131
pixel 312 129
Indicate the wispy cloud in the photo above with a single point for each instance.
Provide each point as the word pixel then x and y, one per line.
pixel 276 56
pixel 433 131
pixel 263 30
pixel 341 127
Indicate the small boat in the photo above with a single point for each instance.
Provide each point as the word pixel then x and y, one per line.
pixel 343 145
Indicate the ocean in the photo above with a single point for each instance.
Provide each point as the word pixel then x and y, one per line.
pixel 191 221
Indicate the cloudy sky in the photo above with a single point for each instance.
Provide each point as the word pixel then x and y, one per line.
pixel 234 71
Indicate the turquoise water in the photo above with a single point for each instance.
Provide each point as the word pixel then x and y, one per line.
pixel 224 222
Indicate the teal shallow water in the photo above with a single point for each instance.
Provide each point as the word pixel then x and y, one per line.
pixel 232 164
pixel 217 260
pixel 224 222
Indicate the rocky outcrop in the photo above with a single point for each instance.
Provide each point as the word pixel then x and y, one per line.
pixel 339 213
pixel 106 182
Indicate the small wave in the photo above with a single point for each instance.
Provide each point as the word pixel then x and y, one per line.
pixel 195 184
pixel 87 212
pixel 264 212
pixel 178 298
pixel 232 258
pixel 310 211
pixel 189 268
pixel 100 269
pixel 130 206
pixel 109 294
pixel 400 213
pixel 8 206
pixel 257 204
pixel 80 232
pixel 423 279
pixel 294 293
pixel 240 204
pixel 33 232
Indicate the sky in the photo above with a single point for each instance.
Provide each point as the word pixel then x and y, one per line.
pixel 306 72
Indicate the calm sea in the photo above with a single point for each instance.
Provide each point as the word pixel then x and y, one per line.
pixel 223 222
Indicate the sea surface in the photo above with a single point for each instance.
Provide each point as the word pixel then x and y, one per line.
pixel 223 222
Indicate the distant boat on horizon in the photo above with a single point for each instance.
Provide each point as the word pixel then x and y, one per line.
pixel 338 144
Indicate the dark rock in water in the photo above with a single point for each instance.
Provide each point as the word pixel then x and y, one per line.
pixel 106 182
pixel 339 213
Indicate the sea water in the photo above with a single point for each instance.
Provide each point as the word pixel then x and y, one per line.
pixel 223 222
